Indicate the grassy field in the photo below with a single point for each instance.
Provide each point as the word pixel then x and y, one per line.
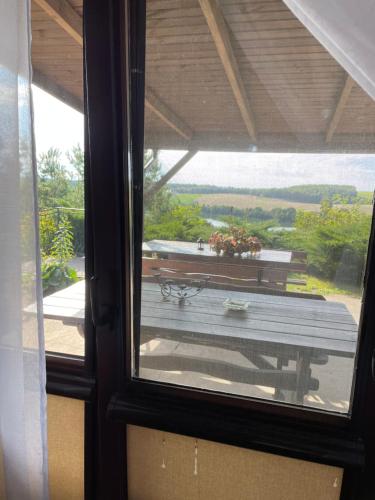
pixel 244 201
pixel 320 287
pixel 185 198
pixel 365 196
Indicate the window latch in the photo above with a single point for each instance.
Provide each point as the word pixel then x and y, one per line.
pixel 93 300
pixel 99 316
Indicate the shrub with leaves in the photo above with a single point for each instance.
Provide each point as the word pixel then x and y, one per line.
pixel 180 223
pixel 62 243
pixel 56 276
pixel 335 240
pixel 47 230
pixel 56 273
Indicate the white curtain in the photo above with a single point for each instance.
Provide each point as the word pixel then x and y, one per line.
pixel 346 28
pixel 23 455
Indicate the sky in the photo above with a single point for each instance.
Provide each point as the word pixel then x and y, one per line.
pixel 57 125
pixel 258 170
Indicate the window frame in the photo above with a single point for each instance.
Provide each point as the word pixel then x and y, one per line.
pixel 325 437
pixel 134 208
pixel 114 33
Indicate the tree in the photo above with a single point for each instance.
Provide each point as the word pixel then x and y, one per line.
pixel 160 203
pixel 76 159
pixel 77 162
pixel 179 223
pixel 335 240
pixel 53 179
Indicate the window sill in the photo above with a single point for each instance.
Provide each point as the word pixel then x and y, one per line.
pixel 318 443
pixel 66 377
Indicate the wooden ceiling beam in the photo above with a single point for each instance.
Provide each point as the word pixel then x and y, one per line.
pixel 268 143
pixel 168 116
pixel 220 34
pixel 48 85
pixel 65 16
pixel 339 108
pixel 171 173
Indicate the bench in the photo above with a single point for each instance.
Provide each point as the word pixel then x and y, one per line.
pixel 228 275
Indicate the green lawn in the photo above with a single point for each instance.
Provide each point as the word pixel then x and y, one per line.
pixel 320 287
pixel 245 201
pixel 185 198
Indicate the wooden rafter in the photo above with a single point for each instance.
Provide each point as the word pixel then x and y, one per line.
pixel 167 115
pixel 149 163
pixel 45 83
pixel 66 17
pixel 171 173
pixel 339 109
pixel 221 37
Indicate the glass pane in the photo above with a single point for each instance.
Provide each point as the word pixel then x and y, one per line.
pixel 258 181
pixel 57 60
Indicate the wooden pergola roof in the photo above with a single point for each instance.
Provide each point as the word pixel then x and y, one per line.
pixel 240 75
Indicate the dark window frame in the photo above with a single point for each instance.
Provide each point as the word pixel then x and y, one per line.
pixel 134 209
pixel 158 405
pixel 113 397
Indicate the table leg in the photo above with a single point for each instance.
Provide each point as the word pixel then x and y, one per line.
pixel 81 329
pixel 303 375
pixel 260 362
pixel 279 395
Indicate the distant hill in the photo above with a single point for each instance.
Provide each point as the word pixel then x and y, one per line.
pixel 309 193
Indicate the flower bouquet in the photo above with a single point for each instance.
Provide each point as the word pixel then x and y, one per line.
pixel 236 242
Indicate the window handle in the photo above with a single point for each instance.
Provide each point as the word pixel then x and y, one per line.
pixel 93 301
pixel 99 316
pixel 373 366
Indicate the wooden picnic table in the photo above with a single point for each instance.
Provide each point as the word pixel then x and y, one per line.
pixel 188 249
pixel 67 305
pixel 299 329
pixel 268 267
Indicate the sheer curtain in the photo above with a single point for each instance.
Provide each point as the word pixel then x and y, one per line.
pixel 346 29
pixel 23 461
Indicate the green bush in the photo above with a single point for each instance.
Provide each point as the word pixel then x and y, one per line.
pixel 77 221
pixel 181 223
pixel 336 241
pixel 49 221
pixel 56 275
pixel 47 230
pixel 62 243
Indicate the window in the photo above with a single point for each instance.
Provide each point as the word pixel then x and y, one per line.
pixel 57 61
pixel 257 200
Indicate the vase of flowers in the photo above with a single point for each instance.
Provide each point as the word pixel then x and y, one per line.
pixel 236 242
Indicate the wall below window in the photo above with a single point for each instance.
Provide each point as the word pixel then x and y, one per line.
pixel 66 448
pixel 199 469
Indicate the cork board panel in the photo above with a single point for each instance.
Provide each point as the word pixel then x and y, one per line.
pixel 222 472
pixel 65 448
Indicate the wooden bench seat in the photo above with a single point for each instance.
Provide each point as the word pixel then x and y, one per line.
pixel 237 276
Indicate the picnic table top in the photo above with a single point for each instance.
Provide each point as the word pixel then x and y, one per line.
pixel 299 322
pixel 66 304
pixel 189 248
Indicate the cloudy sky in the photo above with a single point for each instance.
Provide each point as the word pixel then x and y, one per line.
pixel 57 125
pixel 274 170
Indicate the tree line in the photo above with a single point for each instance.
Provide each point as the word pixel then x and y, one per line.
pixel 283 216
pixel 309 193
